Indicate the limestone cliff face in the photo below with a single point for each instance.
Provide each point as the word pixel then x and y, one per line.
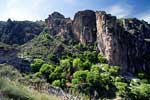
pixel 123 42
pixel 58 24
pixel 84 26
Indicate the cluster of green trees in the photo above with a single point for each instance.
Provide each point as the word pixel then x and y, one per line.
pixel 88 74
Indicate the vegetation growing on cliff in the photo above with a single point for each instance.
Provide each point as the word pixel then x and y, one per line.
pixel 86 73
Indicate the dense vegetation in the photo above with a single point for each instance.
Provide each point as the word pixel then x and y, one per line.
pixel 78 69
pixel 85 72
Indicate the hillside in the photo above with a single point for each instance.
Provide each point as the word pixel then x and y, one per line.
pixel 94 56
pixel 12 88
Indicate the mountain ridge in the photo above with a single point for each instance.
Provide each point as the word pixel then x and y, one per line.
pixel 124 42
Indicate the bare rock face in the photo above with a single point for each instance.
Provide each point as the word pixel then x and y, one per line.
pixel 84 26
pixel 58 24
pixel 124 42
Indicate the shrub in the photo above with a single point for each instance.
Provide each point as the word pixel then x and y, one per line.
pixel 65 64
pixel 101 58
pixel 77 63
pixel 93 78
pixel 56 83
pixel 95 68
pixel 114 70
pixel 80 75
pixel 86 65
pixel 140 92
pixel 121 88
pixel 46 69
pixel 36 65
pixel 75 81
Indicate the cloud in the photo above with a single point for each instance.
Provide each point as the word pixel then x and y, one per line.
pixel 119 10
pixel 21 10
pixel 145 17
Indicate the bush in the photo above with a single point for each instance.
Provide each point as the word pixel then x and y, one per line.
pixel 121 88
pixel 140 92
pixel 77 63
pixel 58 70
pixel 80 75
pixel 75 81
pixel 65 64
pixel 36 65
pixel 114 70
pixel 101 58
pixel 46 69
pixel 91 56
pixel 56 83
pixel 86 65
pixel 95 68
pixel 93 78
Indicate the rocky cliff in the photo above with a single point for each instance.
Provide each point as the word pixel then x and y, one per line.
pixel 124 42
pixel 58 24
pixel 84 26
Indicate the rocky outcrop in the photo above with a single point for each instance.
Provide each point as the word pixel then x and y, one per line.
pixel 8 55
pixel 124 42
pixel 84 26
pixel 18 32
pixel 58 24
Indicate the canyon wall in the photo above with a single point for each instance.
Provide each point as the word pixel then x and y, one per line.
pixel 124 42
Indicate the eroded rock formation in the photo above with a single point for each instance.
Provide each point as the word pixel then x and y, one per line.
pixel 124 42
pixel 58 24
pixel 84 26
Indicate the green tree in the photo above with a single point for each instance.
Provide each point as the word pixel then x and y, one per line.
pixel 93 78
pixel 36 65
pixel 81 75
pixel 140 91
pixel 65 64
pixel 122 88
pixel 75 81
pixel 58 69
pixel 86 65
pixel 54 76
pixel 91 56
pixel 101 58
pixel 77 63
pixel 46 69
pixel 95 68
pixel 114 70
pixel 56 83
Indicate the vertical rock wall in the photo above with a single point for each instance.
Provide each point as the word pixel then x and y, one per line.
pixel 84 26
pixel 122 42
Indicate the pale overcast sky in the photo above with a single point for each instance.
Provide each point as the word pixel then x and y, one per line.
pixel 40 9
